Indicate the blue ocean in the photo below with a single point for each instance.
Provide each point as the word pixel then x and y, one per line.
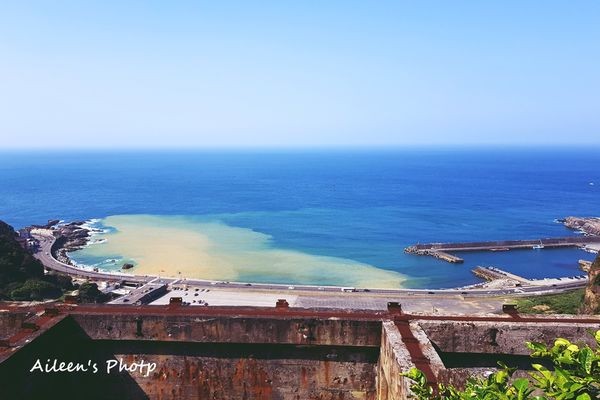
pixel 347 207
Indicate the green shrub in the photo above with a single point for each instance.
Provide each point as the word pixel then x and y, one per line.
pixel 89 293
pixel 576 376
pixel 34 289
pixel 61 280
pixel 562 303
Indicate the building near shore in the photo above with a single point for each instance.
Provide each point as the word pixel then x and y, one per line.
pixel 144 294
pixel 24 233
pixel 42 231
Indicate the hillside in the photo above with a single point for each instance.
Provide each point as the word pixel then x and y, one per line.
pixel 591 299
pixel 21 275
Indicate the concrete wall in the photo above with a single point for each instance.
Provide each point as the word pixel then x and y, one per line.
pixel 232 329
pixel 501 337
pixel 256 372
pixel 10 323
pixel 203 358
pixel 393 360
pixel 256 358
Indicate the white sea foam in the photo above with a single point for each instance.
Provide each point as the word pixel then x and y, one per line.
pixel 79 265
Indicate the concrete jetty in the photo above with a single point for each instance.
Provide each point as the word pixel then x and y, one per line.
pixel 493 273
pixel 441 255
pixel 443 250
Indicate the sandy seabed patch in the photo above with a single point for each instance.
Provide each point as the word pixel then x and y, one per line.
pixel 181 246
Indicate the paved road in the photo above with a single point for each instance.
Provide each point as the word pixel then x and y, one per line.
pixel 446 304
pixel 44 254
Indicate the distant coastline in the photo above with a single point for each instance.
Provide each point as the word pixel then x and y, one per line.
pixel 362 206
pixel 78 235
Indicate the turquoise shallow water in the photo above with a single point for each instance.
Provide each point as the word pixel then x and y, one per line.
pixel 361 206
pixel 205 247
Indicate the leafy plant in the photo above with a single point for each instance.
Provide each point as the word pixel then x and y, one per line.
pixel 576 376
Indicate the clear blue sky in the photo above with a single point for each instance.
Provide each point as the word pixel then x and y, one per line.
pixel 193 74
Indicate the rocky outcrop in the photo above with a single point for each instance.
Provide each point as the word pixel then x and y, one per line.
pixel 591 299
pixel 51 223
pixel 70 237
pixel 588 226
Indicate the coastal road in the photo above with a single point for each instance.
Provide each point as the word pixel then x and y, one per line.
pixel 540 287
pixel 44 254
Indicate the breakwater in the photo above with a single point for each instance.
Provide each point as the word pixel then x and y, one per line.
pixel 442 250
pixel 442 255
pixel 493 273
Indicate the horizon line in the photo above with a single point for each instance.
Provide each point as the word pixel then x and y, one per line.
pixel 383 147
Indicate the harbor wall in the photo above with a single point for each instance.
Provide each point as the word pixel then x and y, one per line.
pixel 549 242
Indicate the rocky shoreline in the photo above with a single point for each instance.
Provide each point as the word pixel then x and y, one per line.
pixel 76 235
pixel 70 237
pixel 586 225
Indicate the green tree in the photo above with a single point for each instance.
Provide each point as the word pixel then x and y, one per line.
pixel 576 376
pixel 34 289
pixel 16 265
pixel 22 276
pixel 89 293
